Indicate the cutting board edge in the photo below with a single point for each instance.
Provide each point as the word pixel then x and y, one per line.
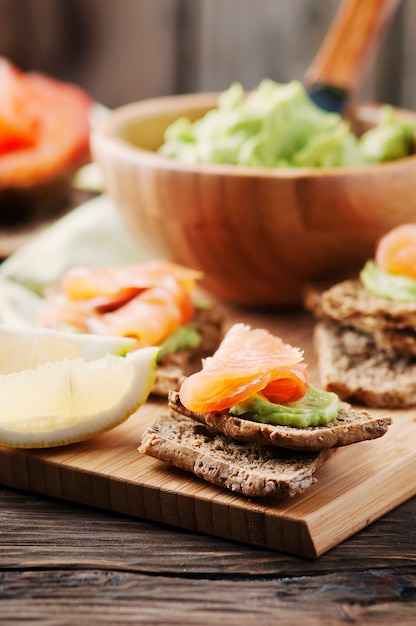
pixel 229 518
pixel 380 503
pixel 126 497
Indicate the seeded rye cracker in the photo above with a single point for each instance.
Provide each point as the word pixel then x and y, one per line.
pixel 242 467
pixel 248 457
pixel 365 345
pixel 351 426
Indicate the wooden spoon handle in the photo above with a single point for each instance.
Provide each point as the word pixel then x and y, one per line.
pixel 350 44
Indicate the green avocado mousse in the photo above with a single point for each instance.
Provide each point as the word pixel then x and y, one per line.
pixel 278 125
pixel 314 409
pixel 392 274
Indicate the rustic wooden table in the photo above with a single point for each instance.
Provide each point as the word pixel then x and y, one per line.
pixel 67 564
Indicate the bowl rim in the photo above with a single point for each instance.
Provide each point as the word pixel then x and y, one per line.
pixel 106 135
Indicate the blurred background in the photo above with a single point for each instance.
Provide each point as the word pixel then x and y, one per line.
pixel 126 50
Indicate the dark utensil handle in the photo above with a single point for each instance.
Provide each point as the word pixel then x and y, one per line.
pixel 350 44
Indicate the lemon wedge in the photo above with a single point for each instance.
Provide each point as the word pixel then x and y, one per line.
pixel 25 348
pixel 71 399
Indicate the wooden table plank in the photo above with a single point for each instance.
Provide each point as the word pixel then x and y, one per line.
pixel 46 533
pixel 130 598
pixel 62 563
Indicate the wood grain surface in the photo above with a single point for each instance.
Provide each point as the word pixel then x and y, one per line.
pixel 356 486
pixel 66 564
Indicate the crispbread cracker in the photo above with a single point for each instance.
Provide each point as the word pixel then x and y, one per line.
pixel 242 467
pixel 353 366
pixel 351 426
pixel 350 302
pixel 365 345
pixel 392 323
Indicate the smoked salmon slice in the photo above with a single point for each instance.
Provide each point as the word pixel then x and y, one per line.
pixel 146 301
pixel 247 361
pixel 150 318
pixel 92 282
pixel 396 251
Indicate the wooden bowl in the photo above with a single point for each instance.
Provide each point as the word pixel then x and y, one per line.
pixel 258 234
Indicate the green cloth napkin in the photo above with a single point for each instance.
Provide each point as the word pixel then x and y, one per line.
pixel 91 235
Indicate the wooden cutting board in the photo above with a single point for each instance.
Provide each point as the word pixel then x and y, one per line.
pixel 357 485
